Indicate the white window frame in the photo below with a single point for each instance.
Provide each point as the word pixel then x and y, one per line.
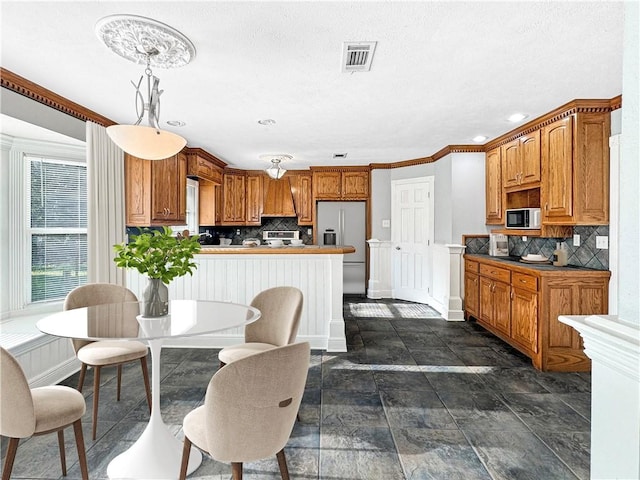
pixel 19 222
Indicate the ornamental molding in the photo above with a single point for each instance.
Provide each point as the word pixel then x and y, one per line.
pixel 22 86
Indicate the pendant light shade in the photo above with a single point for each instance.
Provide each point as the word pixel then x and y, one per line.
pixel 148 143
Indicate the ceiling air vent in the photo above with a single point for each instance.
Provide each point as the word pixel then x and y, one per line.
pixel 357 56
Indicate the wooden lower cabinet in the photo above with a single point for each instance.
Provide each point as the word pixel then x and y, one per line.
pixel 521 304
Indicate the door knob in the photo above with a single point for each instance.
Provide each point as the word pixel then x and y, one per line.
pixel 397 248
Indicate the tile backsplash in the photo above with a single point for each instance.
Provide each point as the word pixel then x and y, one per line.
pixel 586 255
pixel 276 223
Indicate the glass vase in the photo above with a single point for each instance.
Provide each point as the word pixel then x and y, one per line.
pixel 155 299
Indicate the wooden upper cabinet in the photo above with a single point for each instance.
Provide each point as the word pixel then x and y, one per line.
pixel 156 191
pixel 557 171
pixel 530 158
pixel 327 185
pixel 169 189
pixel 494 193
pixel 521 161
pixel 207 203
pixel 355 185
pixel 233 199
pixel 204 166
pixel 341 184
pixel 575 170
pixel 511 164
pixel 591 169
pixel 253 199
pixel 301 187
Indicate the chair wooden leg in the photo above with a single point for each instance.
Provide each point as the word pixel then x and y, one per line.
pixel 145 377
pixel 119 383
pixel 282 463
pixel 63 457
pixel 82 457
pixel 12 448
pixel 83 372
pixel 186 450
pixel 96 397
pixel 236 470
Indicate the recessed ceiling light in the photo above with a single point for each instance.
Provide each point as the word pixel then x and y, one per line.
pixel 479 138
pixel 176 123
pixel 517 117
pixel 267 121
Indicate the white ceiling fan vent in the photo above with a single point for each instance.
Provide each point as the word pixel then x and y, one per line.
pixel 357 56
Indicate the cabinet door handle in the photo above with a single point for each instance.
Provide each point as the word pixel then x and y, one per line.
pixel 546 207
pixel 511 294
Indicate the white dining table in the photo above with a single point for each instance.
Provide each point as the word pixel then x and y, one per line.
pixel 157 453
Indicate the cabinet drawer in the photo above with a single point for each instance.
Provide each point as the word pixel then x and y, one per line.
pixel 528 282
pixel 501 274
pixel 471 266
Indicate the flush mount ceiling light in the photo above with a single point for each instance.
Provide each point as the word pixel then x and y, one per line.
pixel 479 138
pixel 275 171
pixel 145 41
pixel 517 117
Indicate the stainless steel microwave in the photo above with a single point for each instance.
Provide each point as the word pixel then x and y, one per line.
pixel 522 218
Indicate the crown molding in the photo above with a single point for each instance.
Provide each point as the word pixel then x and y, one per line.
pixel 22 86
pixel 345 168
pixel 204 154
pixel 443 152
pixel 570 108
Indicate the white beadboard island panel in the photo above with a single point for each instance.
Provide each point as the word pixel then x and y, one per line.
pixel 240 277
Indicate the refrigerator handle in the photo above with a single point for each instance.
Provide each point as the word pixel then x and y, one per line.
pixel 341 227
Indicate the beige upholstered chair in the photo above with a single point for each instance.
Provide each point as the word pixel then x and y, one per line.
pixel 249 409
pixel 106 352
pixel 280 309
pixel 25 412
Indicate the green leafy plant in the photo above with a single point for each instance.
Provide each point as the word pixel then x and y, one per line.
pixel 158 254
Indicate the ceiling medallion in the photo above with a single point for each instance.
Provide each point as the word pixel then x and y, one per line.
pixel 141 40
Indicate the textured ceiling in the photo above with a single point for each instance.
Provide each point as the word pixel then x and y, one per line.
pixel 443 72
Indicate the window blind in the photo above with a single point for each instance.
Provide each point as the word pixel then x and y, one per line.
pixel 58 227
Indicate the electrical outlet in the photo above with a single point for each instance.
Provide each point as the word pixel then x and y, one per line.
pixel 309 231
pixel 386 223
pixel 524 238
pixel 602 242
pixel 576 240
pixel 238 231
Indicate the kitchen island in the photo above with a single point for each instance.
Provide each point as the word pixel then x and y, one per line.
pixel 237 274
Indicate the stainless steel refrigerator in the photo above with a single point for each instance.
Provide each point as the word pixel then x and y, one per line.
pixel 348 220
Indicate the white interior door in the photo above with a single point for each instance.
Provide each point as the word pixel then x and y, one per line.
pixel 412 231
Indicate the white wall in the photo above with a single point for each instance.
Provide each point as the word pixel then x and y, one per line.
pixel 380 203
pixel 629 276
pixel 458 190
pixel 468 195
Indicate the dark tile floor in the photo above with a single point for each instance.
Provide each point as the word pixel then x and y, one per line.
pixel 415 397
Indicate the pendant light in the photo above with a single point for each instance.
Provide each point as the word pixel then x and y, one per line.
pixel 275 171
pixel 143 40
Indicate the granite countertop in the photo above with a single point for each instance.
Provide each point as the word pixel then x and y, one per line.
pixel 515 261
pixel 281 250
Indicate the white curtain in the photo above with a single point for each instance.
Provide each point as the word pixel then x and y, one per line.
pixel 106 210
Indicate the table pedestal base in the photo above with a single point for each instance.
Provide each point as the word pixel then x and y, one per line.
pixel 155 455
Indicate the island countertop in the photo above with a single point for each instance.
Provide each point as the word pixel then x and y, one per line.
pixel 283 250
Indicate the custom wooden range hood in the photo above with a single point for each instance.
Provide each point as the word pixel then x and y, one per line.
pixel 278 199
